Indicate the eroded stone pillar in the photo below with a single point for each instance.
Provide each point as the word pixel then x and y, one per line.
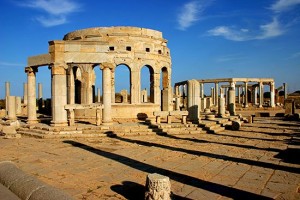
pixel 106 88
pixel 59 95
pixel 7 94
pixel 202 90
pixel 113 91
pixel 193 100
pixel 11 108
pixel 158 187
pixel 285 90
pixel 272 94
pixel 71 86
pixel 18 106
pixel 239 94
pixel 221 104
pixel 261 94
pixel 31 95
pixel 231 99
pixel 255 95
pixel 246 95
pixel 135 87
pixel 124 95
pixel 144 97
pixel 216 93
pixel 212 94
pixel 177 98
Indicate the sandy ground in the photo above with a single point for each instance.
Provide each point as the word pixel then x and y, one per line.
pixel 261 161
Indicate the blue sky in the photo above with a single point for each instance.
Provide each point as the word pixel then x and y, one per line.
pixel 207 38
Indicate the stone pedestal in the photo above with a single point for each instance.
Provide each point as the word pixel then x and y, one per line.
pixel 158 187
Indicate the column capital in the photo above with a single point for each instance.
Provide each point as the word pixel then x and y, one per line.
pixel 58 69
pixel 30 70
pixel 106 65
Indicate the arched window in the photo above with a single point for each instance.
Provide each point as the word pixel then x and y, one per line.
pixel 121 82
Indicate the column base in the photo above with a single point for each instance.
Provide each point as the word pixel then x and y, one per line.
pixel 53 123
pixel 107 123
pixel 32 121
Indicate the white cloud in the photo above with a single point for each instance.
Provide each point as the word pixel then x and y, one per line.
pixel 284 5
pixel 190 13
pixel 56 10
pixel 266 31
pixel 229 33
pixel 272 29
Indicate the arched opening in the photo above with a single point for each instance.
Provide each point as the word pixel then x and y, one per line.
pixel 97 84
pixel 147 84
pixel 121 82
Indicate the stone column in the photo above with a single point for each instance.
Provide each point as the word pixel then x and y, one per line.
pixel 106 91
pixel 231 99
pixel 135 87
pixel 261 94
pixel 239 94
pixel 59 95
pixel 216 93
pixel 7 94
pixel 31 95
pixel 18 106
pixel 177 98
pixel 255 95
pixel 11 108
pixel 246 95
pixel 272 94
pixel 202 90
pixel 221 104
pixel 212 94
pixel 113 91
pixel 71 86
pixel 40 96
pixel 193 100
pixel 98 95
pixel 124 95
pixel 157 91
pixel 25 93
pixel 285 90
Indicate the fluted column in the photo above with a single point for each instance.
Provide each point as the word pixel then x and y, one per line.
pixel 31 95
pixel 221 103
pixel 59 95
pixel 106 91
pixel 239 94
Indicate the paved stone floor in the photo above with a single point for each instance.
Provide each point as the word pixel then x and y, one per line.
pixel 261 161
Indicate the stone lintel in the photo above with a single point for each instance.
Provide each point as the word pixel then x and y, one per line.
pixel 39 60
